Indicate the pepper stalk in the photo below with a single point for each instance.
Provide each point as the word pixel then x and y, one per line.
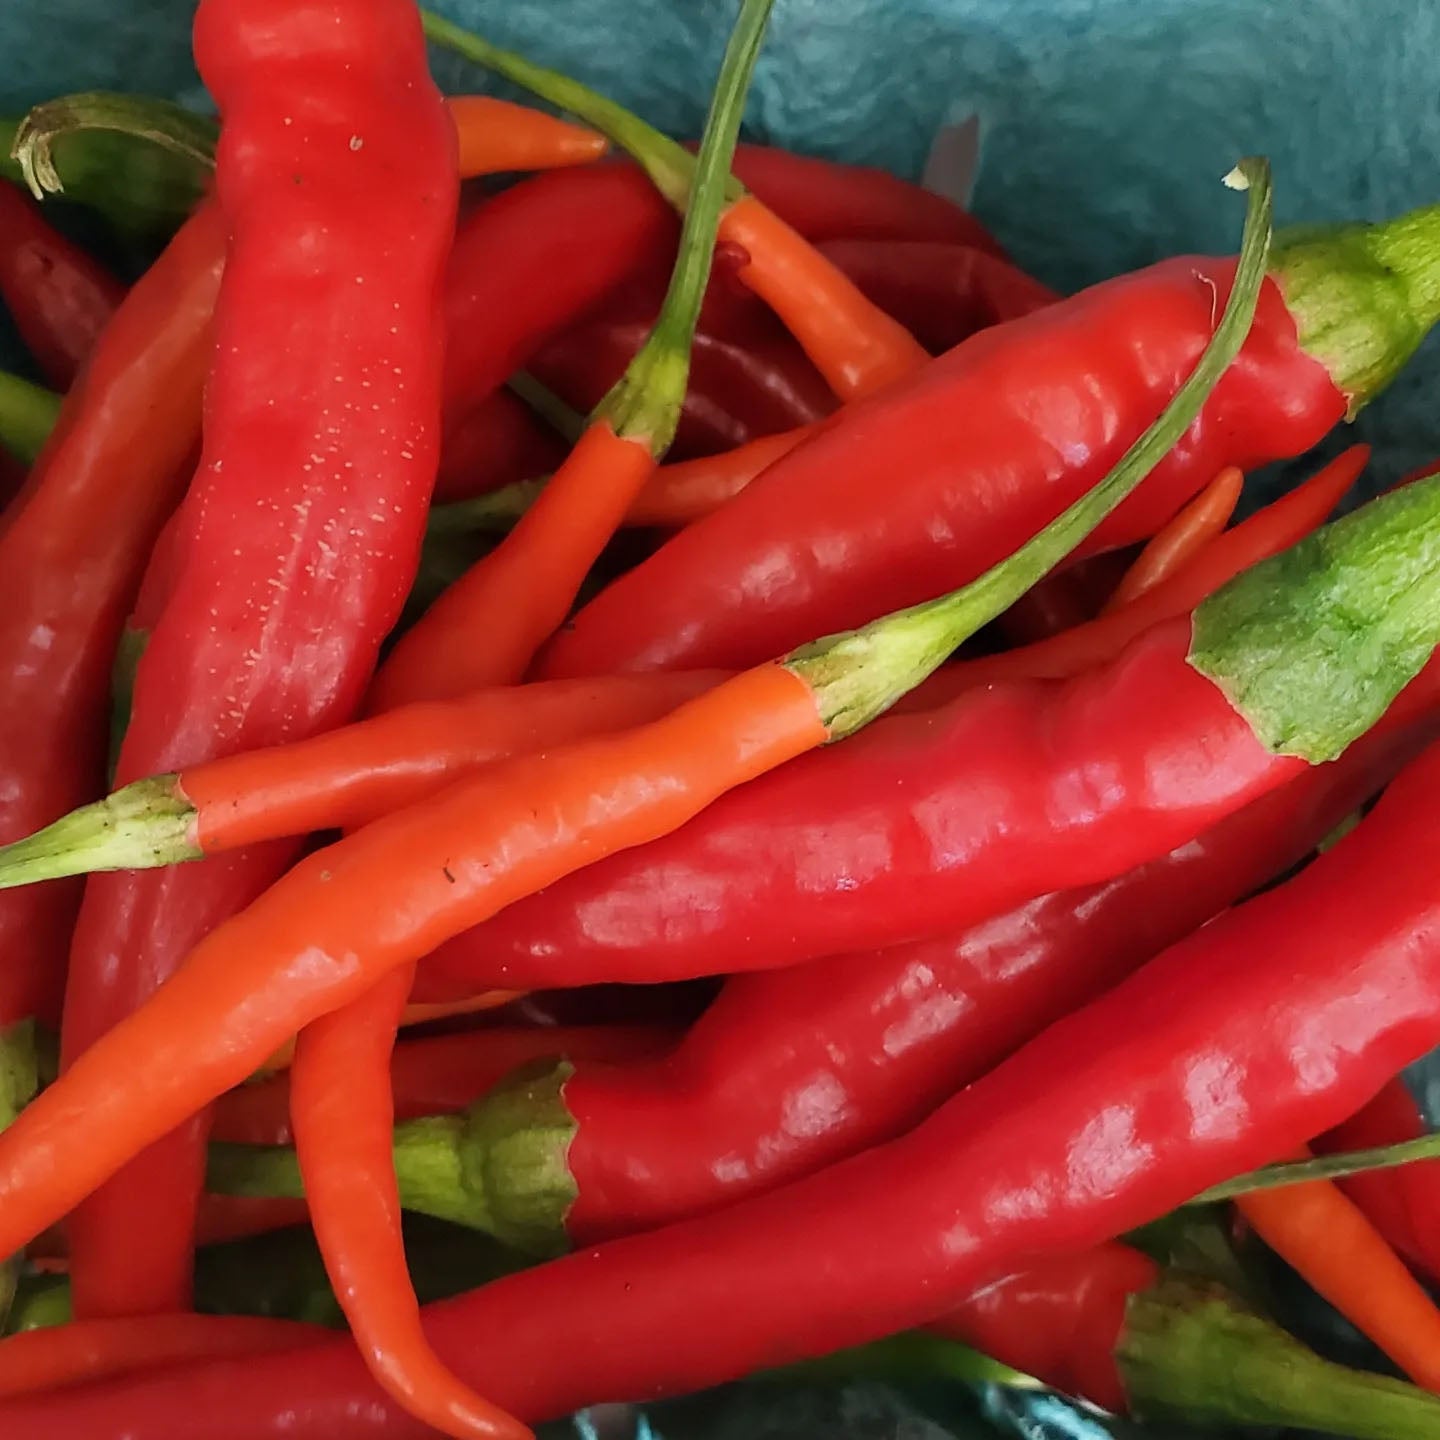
pixel 27 416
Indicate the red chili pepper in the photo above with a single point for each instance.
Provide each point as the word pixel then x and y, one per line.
pixel 319 449
pixel 942 294
pixel 792 1069
pixel 1060 1322
pixel 440 1074
pixel 1182 539
pixel 1208 1069
pixel 50 1358
pixel 1275 528
pixel 497 442
pixel 991 441
pixel 58 296
pixel 71 552
pixel 1401 1203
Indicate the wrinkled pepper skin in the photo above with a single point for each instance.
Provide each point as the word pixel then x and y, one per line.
pixel 919 825
pixel 920 489
pixel 296 546
pixel 790 1070
pixel 1234 1047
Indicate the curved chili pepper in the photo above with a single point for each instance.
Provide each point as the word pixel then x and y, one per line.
pixel 1208 1069
pixel 1182 539
pixel 58 296
pixel 71 552
pixel 271 629
pixel 942 294
pixel 499 135
pixel 855 345
pixel 997 436
pixel 1326 1237
pixel 794 1068
pixel 1400 1203
pixel 83 1352
pixel 1280 524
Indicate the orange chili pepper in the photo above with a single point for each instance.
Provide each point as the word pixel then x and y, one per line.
pixel 499 135
pixel 88 1350
pixel 1275 528
pixel 1182 539
pixel 1325 1236
pixel 854 344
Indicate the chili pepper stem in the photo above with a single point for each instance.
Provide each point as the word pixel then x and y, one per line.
pixel 1189 1351
pixel 1363 296
pixel 144 824
pixel 27 416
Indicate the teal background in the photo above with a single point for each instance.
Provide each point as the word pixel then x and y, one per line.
pixel 1105 123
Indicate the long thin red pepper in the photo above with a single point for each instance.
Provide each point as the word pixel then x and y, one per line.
pixel 82 1352
pixel 442 873
pixel 59 297
pixel 1402 1203
pixel 301 532
pixel 1271 530
pixel 71 552
pixel 900 497
pixel 1207 1069
pixel 794 1068
pixel 1182 539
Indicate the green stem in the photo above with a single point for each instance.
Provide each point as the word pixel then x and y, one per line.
pixel 858 675
pixel 494 513
pixel 566 422
pixel 160 122
pixel 904 1359
pixel 27 416
pixel 1324 1167
pixel 645 402
pixel 670 166
pixel 1189 1352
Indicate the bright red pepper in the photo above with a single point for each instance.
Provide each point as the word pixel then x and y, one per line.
pixel 920 488
pixel 59 297
pixel 302 530
pixel 71 552
pixel 1233 1047
pixel 792 1069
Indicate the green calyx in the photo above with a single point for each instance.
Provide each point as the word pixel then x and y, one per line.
pixel 645 402
pixel 1190 1352
pixel 501 1167
pixel 1363 296
pixel 144 825
pixel 158 122
pixel 670 166
pixel 27 416
pixel 1313 644
pixel 860 674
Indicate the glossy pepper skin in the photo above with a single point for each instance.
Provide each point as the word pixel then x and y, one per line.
pixel 1234 1046
pixel 72 549
pixel 59 297
pixel 991 441
pixel 1021 789
pixel 301 533
pixel 793 1069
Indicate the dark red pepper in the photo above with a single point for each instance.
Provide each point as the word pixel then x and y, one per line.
pixel 922 487
pixel 59 297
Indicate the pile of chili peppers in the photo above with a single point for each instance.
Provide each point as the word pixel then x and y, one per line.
pixel 671 771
